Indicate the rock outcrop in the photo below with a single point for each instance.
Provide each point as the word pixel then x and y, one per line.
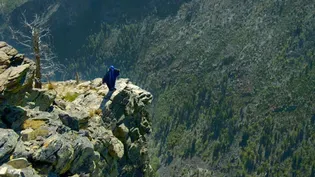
pixel 16 74
pixel 69 129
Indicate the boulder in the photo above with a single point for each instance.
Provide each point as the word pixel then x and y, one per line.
pixel 16 74
pixel 8 141
pixel 116 148
pixel 121 132
pixel 105 142
pixel 85 158
pixel 41 98
pixel 13 116
pixel 75 121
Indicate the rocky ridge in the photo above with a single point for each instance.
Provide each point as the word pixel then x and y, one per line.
pixel 69 129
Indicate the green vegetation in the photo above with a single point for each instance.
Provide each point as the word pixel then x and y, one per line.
pixel 71 96
pixel 236 94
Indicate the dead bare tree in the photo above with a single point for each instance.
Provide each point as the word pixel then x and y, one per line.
pixel 37 41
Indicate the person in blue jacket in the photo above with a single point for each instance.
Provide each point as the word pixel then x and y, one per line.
pixel 110 78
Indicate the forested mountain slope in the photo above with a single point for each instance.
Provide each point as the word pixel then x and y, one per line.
pixel 233 81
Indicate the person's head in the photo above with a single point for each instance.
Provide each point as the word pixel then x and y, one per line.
pixel 111 67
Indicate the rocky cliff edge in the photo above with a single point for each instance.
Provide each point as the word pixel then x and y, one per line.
pixel 69 129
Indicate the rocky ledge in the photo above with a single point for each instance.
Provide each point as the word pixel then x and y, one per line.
pixel 69 129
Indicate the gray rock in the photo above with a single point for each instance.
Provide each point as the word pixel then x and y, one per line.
pixel 41 98
pixel 8 141
pixel 121 132
pixel 105 142
pixel 22 151
pixel 116 148
pixel 15 81
pixel 19 163
pixel 13 116
pixel 75 121
pixel 85 157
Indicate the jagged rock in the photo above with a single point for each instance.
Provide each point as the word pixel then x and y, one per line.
pixel 8 141
pixel 41 98
pixel 85 156
pixel 75 121
pixel 11 79
pixel 116 148
pixel 9 50
pixel 92 100
pixel 106 143
pixel 121 132
pixel 16 74
pixel 145 126
pixel 13 116
pixel 4 58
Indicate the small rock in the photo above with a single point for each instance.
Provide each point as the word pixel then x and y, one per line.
pixel 75 122
pixel 8 141
pixel 116 148
pixel 19 163
pixel 60 103
pixel 3 171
